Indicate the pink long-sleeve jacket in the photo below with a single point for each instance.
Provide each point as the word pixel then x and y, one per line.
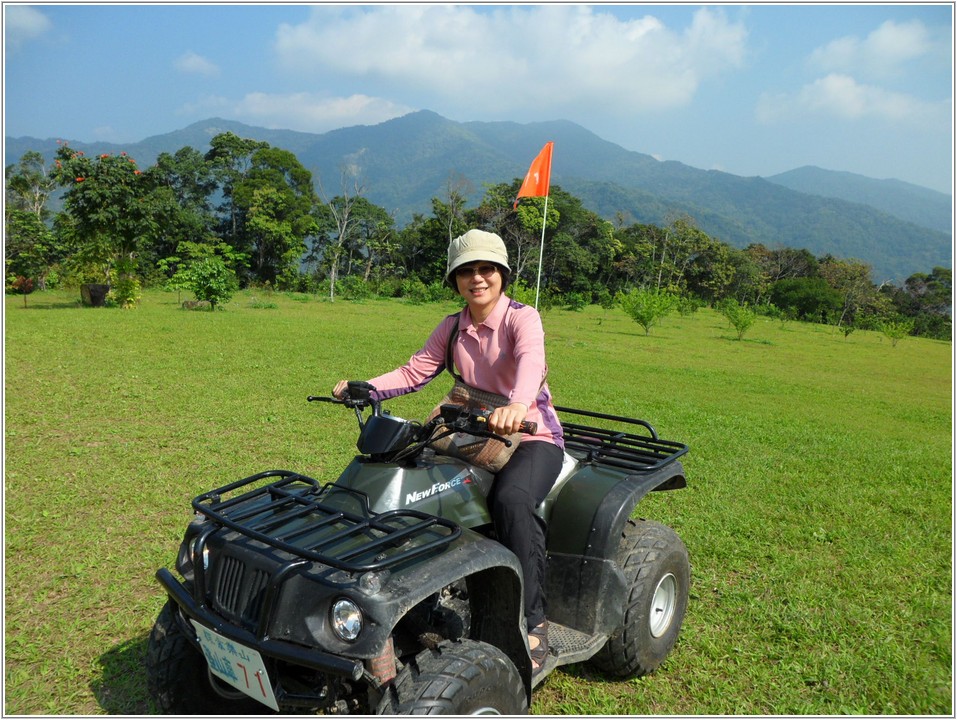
pixel 504 354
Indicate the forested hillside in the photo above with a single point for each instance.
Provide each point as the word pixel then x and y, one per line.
pixel 404 163
pixel 247 213
pixel 905 201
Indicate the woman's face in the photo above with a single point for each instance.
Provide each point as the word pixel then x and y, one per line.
pixel 480 283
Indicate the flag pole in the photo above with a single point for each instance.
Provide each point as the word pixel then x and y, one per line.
pixel 541 253
pixel 538 179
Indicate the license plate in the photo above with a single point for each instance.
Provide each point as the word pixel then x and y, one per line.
pixel 237 665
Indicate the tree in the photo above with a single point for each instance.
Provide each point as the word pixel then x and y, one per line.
pixel 682 241
pixel 211 280
pixel 182 186
pixel 580 256
pixel 741 316
pixel 925 298
pixel 276 199
pixel 712 270
pixel 521 229
pixel 646 307
pixel 110 208
pixel 452 212
pixel 230 159
pixel 339 210
pixel 421 249
pixel 373 243
pixel 635 263
pixel 661 258
pixel 783 263
pixel 851 279
pixel 810 298
pixel 895 330
pixel 30 247
pixel 29 184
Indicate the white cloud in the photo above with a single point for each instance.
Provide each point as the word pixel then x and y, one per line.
pixel 22 23
pixel 513 61
pixel 193 64
pixel 311 113
pixel 842 97
pixel 882 53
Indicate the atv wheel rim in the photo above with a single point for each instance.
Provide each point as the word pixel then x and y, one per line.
pixel 663 605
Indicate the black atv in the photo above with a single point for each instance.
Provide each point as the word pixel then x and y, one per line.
pixel 385 591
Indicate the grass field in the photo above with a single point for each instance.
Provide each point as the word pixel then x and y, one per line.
pixel 818 514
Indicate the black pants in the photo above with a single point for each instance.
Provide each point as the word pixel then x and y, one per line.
pixel 519 488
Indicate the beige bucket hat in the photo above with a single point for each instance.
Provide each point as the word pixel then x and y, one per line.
pixel 477 245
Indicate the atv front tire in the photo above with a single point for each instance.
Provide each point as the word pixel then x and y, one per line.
pixel 178 677
pixel 457 678
pixel 655 563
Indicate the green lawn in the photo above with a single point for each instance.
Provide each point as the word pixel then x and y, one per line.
pixel 818 514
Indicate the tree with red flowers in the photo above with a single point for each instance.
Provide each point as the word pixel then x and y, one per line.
pixel 111 214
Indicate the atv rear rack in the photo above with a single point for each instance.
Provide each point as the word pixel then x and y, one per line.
pixel 297 515
pixel 615 448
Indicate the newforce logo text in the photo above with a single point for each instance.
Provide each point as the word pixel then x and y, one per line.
pixel 436 488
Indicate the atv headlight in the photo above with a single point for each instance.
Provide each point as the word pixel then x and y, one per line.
pixel 346 619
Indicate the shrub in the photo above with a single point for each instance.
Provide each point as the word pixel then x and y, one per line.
pixel 125 291
pixel 211 280
pixel 894 330
pixel 415 291
pixel 525 294
pixel 388 288
pixel 811 298
pixel 353 288
pixel 20 285
pixel 647 308
pixel 576 301
pixel 605 299
pixel 688 305
pixel 741 316
pixel 438 291
pixel 125 288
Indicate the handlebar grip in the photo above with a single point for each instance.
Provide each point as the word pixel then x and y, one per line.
pixel 529 428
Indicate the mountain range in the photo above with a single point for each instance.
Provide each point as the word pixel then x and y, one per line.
pixel 897 227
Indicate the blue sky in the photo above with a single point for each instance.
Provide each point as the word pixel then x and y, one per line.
pixel 747 89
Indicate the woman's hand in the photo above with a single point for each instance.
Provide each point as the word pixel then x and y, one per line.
pixel 507 420
pixel 339 391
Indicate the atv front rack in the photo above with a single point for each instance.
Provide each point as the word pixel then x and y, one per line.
pixel 616 448
pixel 328 524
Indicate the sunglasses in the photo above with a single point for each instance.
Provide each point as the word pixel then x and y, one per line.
pixel 470 270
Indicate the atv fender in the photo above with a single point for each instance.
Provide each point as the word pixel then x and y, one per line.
pixel 494 581
pixel 585 587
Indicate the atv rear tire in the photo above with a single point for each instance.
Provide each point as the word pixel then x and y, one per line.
pixel 457 678
pixel 655 563
pixel 178 677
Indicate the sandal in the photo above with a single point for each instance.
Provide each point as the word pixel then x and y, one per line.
pixel 540 652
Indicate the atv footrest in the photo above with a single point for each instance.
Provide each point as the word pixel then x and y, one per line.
pixel 566 646
pixel 617 447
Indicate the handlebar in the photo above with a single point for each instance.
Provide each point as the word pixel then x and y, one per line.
pixel 529 428
pixel 472 420
pixel 452 416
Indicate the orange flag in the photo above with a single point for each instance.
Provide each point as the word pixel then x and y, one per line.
pixel 538 176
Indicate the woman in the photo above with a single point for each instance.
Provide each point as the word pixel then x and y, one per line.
pixel 499 347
